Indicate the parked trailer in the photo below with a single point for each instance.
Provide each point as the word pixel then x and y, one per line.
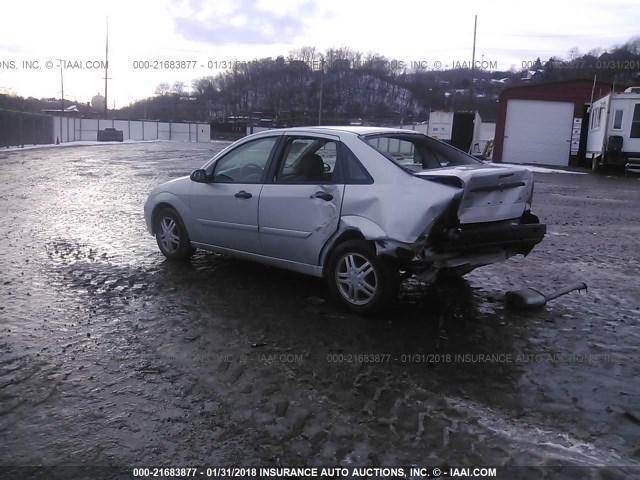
pixel 614 131
pixel 460 129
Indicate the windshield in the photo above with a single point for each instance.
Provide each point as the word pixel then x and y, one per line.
pixel 415 153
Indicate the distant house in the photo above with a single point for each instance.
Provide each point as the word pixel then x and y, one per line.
pixel 531 74
pixel 545 123
pixel 71 110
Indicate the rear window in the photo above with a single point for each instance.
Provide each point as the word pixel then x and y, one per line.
pixel 415 153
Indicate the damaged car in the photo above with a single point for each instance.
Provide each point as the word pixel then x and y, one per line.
pixel 363 207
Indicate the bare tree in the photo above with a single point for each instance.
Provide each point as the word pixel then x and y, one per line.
pixel 595 52
pixel 203 86
pixel 178 87
pixel 305 54
pixel 163 88
pixel 574 53
pixel 633 45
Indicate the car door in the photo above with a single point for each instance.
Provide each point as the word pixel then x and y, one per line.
pixel 225 210
pixel 300 205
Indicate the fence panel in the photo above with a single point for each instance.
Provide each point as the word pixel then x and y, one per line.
pixel 21 128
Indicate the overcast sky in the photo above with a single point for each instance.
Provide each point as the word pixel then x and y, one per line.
pixel 203 32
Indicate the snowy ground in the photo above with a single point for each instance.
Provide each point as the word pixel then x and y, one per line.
pixel 84 143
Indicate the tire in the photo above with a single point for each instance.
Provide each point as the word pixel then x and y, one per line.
pixel 361 280
pixel 171 235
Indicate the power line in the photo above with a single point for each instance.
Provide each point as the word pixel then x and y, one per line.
pixel 567 35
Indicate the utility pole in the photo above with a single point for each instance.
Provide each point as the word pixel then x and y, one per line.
pixel 473 61
pixel 106 71
pixel 321 81
pixel 62 95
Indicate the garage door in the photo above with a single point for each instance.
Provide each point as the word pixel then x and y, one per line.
pixel 538 132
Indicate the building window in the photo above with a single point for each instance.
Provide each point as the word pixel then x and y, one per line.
pixel 617 120
pixel 596 116
pixel 600 112
pixel 635 122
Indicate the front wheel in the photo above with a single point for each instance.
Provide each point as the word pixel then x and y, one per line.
pixel 171 235
pixel 359 279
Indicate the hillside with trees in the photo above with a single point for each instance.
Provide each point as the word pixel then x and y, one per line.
pixel 352 86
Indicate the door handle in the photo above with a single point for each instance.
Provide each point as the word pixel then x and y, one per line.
pixel 243 194
pixel 323 195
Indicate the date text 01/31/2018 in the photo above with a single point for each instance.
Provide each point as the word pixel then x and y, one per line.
pixel 582 64
pixel 387 357
pixel 316 472
pixel 186 64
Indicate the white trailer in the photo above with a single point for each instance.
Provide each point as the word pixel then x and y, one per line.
pixel 614 131
pixel 440 125
pixel 463 130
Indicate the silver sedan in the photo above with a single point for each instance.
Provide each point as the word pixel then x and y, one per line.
pixel 362 207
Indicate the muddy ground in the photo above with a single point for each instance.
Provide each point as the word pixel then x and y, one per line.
pixel 110 355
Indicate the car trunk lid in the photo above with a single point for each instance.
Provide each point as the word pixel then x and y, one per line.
pixel 491 193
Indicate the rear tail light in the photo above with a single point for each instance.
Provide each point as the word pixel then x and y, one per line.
pixel 530 199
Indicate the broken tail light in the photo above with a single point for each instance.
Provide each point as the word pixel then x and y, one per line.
pixel 529 202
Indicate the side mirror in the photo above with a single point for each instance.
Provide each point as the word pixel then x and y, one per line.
pixel 199 176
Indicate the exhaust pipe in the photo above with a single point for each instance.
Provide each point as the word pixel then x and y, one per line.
pixel 531 298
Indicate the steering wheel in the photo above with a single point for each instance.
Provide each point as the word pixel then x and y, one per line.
pixel 252 172
pixel 251 168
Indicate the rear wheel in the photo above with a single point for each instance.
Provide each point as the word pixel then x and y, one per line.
pixel 361 280
pixel 171 235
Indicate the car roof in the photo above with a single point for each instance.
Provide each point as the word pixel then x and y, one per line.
pixel 355 130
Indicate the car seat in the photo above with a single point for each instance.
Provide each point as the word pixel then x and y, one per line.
pixel 310 168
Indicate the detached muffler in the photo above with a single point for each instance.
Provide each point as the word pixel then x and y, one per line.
pixel 531 298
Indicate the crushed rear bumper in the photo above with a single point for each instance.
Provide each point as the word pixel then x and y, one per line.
pixel 517 237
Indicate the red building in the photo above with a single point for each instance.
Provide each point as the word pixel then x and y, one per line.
pixel 545 123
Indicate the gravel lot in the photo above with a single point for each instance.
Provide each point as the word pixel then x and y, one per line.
pixel 109 355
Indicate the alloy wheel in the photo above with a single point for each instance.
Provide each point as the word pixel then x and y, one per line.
pixel 356 279
pixel 169 234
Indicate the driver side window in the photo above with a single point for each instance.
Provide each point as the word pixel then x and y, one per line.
pixel 246 163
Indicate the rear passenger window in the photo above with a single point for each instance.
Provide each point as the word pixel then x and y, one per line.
pixel 308 160
pixel 353 171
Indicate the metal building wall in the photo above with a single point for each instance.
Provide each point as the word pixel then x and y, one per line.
pixel 22 128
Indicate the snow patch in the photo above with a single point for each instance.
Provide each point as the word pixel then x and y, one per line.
pixel 85 143
pixel 554 446
pixel 536 169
